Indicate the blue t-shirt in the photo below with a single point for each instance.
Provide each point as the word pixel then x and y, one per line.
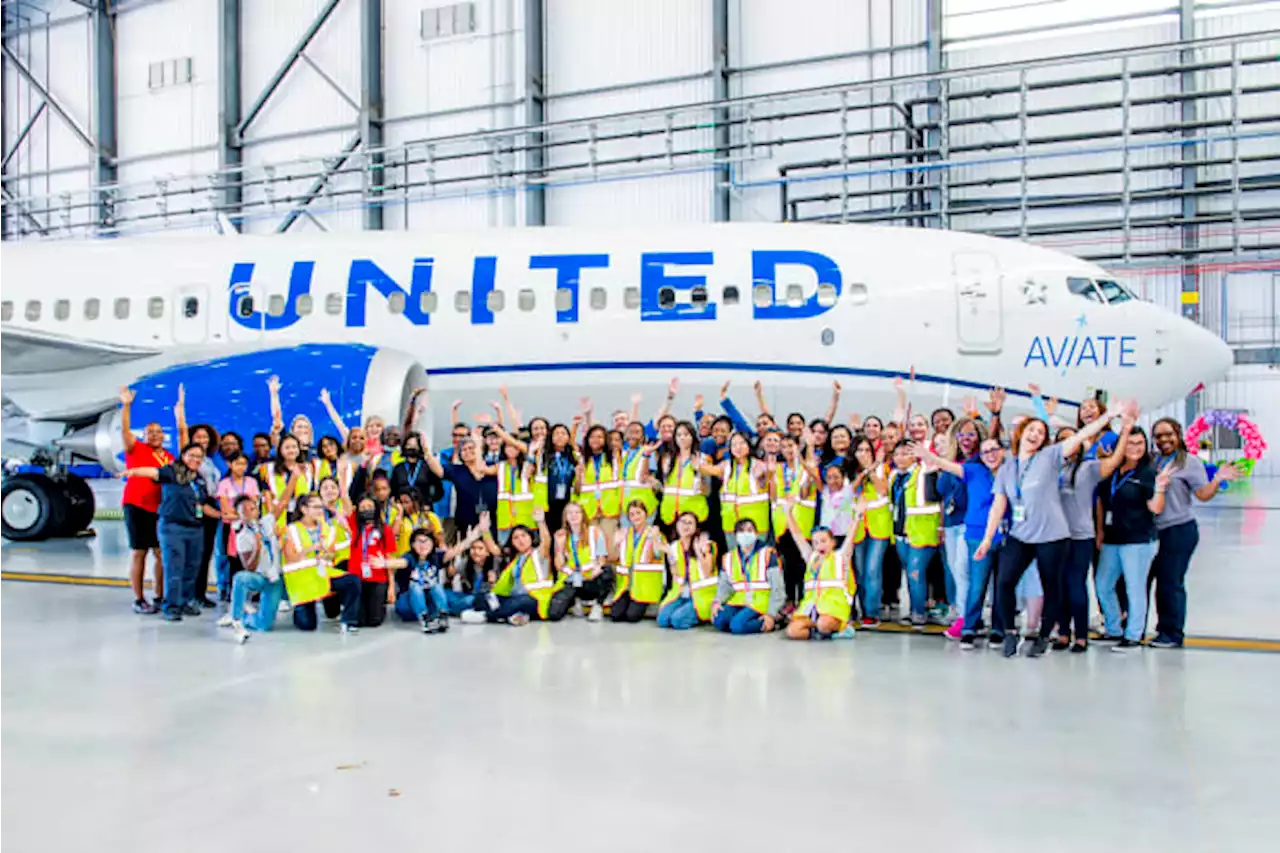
pixel 979 482
pixel 955 499
pixel 178 501
pixel 443 506
pixel 1106 441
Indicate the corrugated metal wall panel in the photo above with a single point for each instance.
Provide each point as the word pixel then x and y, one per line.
pixel 164 214
pixel 293 163
pixel 60 58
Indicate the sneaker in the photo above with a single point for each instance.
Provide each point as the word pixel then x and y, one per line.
pixel 345 629
pixel 596 614
pixel 1163 642
pixel 888 612
pixel 207 603
pixel 285 606
pixel 1061 644
pixel 172 616
pixel 1110 638
pixel 966 643
pixel 1038 647
pixel 1010 647
pixel 518 620
pixel 224 597
pixel 868 622
pixel 994 639
pixel 158 604
pixel 475 617
pixel 918 621
pixel 1079 648
pixel 1126 645
pixel 226 621
pixel 192 609
pixel 937 614
pixel 955 630
pixel 242 633
pixel 577 610
pixel 442 626
pixel 846 633
pixel 428 624
pixel 144 608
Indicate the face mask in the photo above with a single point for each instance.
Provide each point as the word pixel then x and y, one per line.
pixel 412 453
pixel 745 540
pixel 366 516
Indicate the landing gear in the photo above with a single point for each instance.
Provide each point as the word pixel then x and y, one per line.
pixel 36 506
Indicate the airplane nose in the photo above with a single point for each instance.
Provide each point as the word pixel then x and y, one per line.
pixel 1210 357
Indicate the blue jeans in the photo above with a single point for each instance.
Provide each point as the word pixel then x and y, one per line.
pixel 868 560
pixel 1134 562
pixel 738 620
pixel 679 615
pixel 1169 572
pixel 508 606
pixel 956 559
pixel 221 562
pixel 915 561
pixel 979 575
pixel 419 602
pixel 180 548
pixel 272 591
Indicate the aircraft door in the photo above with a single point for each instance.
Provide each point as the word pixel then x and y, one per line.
pixel 192 315
pixel 979 308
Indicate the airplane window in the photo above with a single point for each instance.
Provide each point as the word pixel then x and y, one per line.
pixel 6 311
pixel 666 297
pixel 795 295
pixel 92 307
pixel 826 295
pixel 599 298
pixel 244 307
pixel 122 308
pixel 858 293
pixel 730 295
pixel 333 304
pixel 527 300
pixel 33 310
pixel 496 301
pixel 427 302
pixel 698 295
pixel 1113 291
pixel 155 307
pixel 62 309
pixel 631 298
pixel 275 305
pixel 762 295
pixel 395 302
pixel 1083 287
pixel 303 305
pixel 564 299
pixel 462 301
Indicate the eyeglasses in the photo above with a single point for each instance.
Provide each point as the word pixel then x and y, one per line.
pixel 991 451
pixel 1163 435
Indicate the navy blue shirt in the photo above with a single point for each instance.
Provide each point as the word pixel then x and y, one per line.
pixel 560 471
pixel 178 501
pixel 955 499
pixel 473 495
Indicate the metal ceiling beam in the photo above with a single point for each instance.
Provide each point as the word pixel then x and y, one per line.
pixel 22 134
pixel 371 110
pixel 15 203
pixel 535 112
pixel 1190 295
pixel 53 103
pixel 230 153
pixel 290 60
pixel 938 111
pixel 317 186
pixel 723 179
pixel 104 110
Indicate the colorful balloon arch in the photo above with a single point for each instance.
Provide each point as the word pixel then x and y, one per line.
pixel 1254 444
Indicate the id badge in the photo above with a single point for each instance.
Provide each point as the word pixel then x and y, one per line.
pixel 562 492
pixel 366 572
pixel 493 601
pixel 199 511
pixel 1019 513
pixel 813 613
pixel 577 580
pixel 897 514
pixel 1106 519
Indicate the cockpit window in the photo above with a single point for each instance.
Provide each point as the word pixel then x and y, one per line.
pixel 1113 291
pixel 1084 287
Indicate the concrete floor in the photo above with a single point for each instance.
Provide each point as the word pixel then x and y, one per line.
pixel 600 737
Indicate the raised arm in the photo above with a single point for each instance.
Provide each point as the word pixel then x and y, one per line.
pixel 672 388
pixel 900 409
pixel 277 413
pixel 758 387
pixel 926 455
pixel 635 409
pixel 453 413
pixel 463 544
pixel 280 503
pixel 327 402
pixel 1156 503
pixel 411 410
pixel 995 404
pixel 126 432
pixel 544 535
pixel 835 402
pixel 797 535
pixel 1075 442
pixel 516 420
pixel 180 415
pixel 1107 465
pixel 497 413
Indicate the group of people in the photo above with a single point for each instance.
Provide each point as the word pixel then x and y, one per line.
pixel 807 526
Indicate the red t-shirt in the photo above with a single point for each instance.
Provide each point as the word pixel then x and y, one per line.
pixel 380 541
pixel 144 492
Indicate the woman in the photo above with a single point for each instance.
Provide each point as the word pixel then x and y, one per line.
pixel 820 430
pixel 917 522
pixel 637 470
pixel 553 485
pixel 598 481
pixel 1078 487
pixel 872 428
pixel 1132 497
pixel 691 558
pixel 873 531
pixel 829 586
pixel 958 445
pixel 311 570
pixel 640 574
pixel 918 429
pixel 743 493
pixel 750 592
pixel 793 483
pixel 680 467
pixel 1028 484
pixel 184 502
pixel 206 437
pixel 475 570
pixel 580 551
pixel 839 441
pixel 1092 410
pixel 235 485
pixel 525 587
pixel 515 488
pixel 1176 529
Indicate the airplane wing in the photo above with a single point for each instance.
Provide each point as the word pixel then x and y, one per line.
pixel 25 351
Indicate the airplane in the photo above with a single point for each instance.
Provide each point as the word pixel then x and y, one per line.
pixel 555 314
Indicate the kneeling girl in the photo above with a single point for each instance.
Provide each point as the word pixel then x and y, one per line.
pixel 829 583
pixel 692 562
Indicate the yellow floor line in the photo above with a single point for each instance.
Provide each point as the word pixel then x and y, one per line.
pixel 1232 644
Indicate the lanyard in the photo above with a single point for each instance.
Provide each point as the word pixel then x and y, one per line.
pixel 317 539
pixel 1115 487
pixel 631 457
pixel 413 472
pixel 1020 474
pixel 597 461
pixel 788 477
pixel 899 486
pixel 519 567
pixel 682 561
pixel 638 542
pixel 815 567
pixel 195 487
pixel 573 552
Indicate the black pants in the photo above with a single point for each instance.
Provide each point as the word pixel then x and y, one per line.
pixel 591 591
pixel 345 599
pixel 626 610
pixel 792 568
pixel 555 514
pixel 1169 573
pixel 373 603
pixel 892 579
pixel 1073 617
pixel 1015 556
pixel 210 529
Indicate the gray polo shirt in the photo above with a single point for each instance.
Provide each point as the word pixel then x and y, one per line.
pixel 1178 497
pixel 1033 485
pixel 1078 498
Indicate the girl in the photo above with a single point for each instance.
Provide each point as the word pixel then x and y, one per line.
pixel 235 485
pixel 679 469
pixel 288 466
pixel 793 483
pixel 556 475
pixel 598 483
pixel 515 488
pixel 1176 529
pixel 328 457
pixel 256 555
pixel 525 587
pixel 828 588
pixel 422 574
pixel 310 571
pixel 413 516
pixel 1029 485
pixel 580 552
pixel 916 522
pixel 873 530
pixel 691 559
pixel 1131 498
pixel 373 542
pixel 872 428
pixel 750 592
pixel 743 494
pixel 640 573
pixel 636 459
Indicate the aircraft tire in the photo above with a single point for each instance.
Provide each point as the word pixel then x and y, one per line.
pixel 32 507
pixel 81 505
